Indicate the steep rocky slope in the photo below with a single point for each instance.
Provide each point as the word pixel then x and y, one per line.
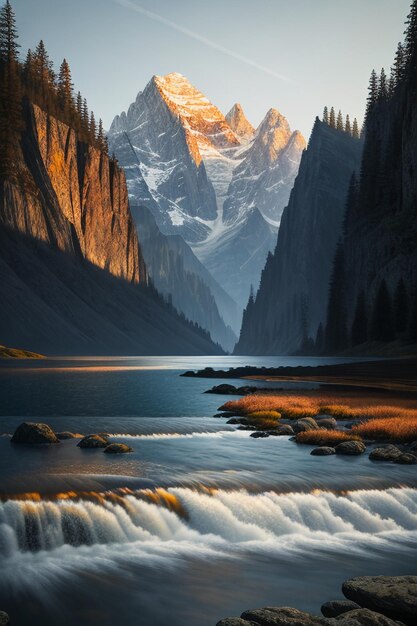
pixel 72 277
pixel 207 176
pixel 178 275
pixel 292 298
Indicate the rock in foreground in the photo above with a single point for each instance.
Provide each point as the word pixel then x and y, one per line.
pixel 282 616
pixel 34 433
pixel 335 608
pixel 362 617
pixel 323 451
pixel 93 441
pixel 385 453
pixel 394 596
pixel 118 448
pixel 66 434
pixel 4 619
pixel 232 621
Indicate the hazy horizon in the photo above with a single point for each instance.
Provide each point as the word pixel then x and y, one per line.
pixel 295 58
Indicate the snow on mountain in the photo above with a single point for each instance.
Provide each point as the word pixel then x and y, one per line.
pixel 211 178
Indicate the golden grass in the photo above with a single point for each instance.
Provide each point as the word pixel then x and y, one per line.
pixel 271 415
pixel 342 405
pixel 264 420
pixel 389 429
pixel 325 437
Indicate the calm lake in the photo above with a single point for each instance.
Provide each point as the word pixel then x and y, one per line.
pixel 200 522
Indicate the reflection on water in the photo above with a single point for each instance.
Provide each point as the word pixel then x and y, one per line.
pixel 200 521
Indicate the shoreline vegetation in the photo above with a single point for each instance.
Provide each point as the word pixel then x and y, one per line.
pixel 18 353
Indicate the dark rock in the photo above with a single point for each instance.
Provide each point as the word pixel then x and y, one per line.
pixel 246 390
pixel 67 435
pixel 234 621
pixel 394 596
pixel 223 389
pixel 350 425
pixel 282 616
pixel 222 415
pixel 238 420
pixel 5 620
pixel 350 447
pixel 323 451
pixel 304 424
pixel 329 423
pixel 284 429
pixel 260 434
pixel 118 448
pixel 335 608
pixel 362 617
pixel 406 458
pixel 243 427
pixel 93 441
pixel 385 453
pixel 34 433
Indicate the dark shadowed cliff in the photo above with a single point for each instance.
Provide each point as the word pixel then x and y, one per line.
pixel 292 298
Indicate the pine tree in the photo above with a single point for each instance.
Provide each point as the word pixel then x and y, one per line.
pixel 382 86
pixel 410 43
pixel 359 332
pixel 339 123
pixel 79 106
pixel 382 326
pixel 348 127
pixel 85 117
pixel 401 307
pixel 65 88
pixel 92 128
pixel 326 115
pixel 100 134
pixel 44 75
pixel 336 338
pixel 399 65
pixel 372 92
pixel 332 118
pixel 355 129
pixel 9 47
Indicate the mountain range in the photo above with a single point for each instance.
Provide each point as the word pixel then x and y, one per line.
pixel 209 177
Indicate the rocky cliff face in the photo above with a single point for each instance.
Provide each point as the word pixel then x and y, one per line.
pixel 72 197
pixel 72 277
pixel 292 298
pixel 203 174
pixel 180 277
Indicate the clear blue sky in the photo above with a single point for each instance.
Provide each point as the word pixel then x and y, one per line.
pixel 233 50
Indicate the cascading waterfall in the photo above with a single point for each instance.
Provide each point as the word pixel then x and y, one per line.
pixel 229 518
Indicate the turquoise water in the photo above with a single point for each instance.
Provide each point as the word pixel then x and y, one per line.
pixel 236 522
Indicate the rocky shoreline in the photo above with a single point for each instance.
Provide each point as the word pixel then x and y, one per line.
pixel 369 601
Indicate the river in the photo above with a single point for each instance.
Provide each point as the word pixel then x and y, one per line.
pixel 200 522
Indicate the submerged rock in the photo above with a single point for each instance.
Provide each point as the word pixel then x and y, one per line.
pixel 238 420
pixel 260 434
pixel 93 441
pixel 68 435
pixel 351 448
pixel 406 458
pixel 385 453
pixel 323 451
pixel 334 608
pixel 394 596
pixel 282 616
pixel 4 619
pixel 304 424
pixel 34 433
pixel 118 448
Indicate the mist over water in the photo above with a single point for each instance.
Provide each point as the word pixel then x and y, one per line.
pixel 199 522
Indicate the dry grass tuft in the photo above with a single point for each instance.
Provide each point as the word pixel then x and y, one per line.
pixel 325 437
pixel 392 429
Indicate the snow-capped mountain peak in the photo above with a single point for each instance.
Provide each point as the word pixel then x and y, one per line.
pixel 239 123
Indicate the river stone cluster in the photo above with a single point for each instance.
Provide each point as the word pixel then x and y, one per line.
pixel 371 601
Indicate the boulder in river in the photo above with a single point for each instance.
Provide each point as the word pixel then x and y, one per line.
pixel 406 459
pixel 66 434
pixel 394 596
pixel 284 429
pixel 34 433
pixel 282 616
pixel 304 424
pixel 118 448
pixel 352 448
pixel 259 434
pixel 234 621
pixel 362 617
pixel 334 608
pixel 323 451
pixel 238 420
pixel 329 423
pixel 93 441
pixel 385 453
